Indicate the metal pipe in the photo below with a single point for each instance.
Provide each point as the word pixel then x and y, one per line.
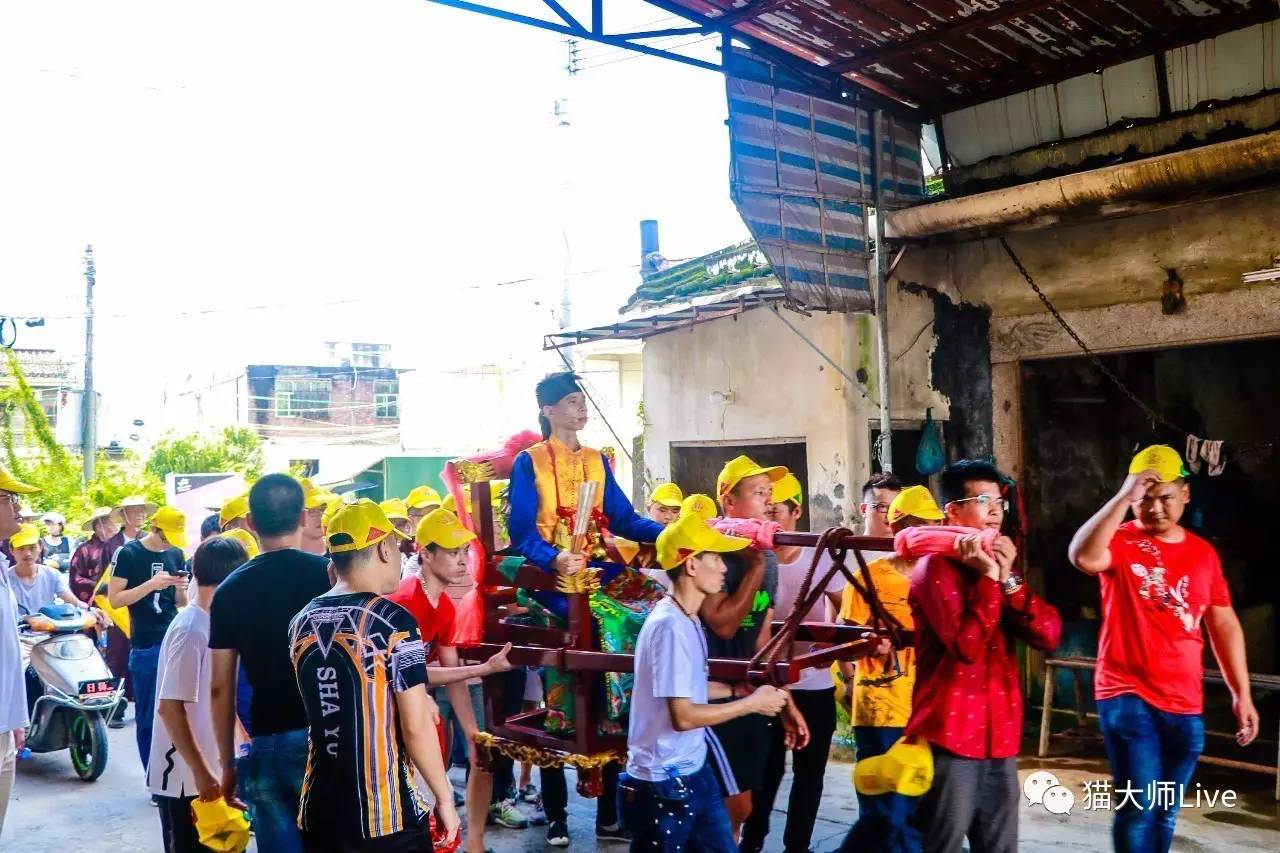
pixel 882 296
pixel 1156 177
pixel 808 540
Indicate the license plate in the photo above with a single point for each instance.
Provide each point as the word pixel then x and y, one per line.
pixel 99 688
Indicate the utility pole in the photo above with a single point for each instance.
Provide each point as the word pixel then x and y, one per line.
pixel 88 411
pixel 881 296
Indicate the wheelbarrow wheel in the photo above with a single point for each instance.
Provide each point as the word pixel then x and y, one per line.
pixel 88 745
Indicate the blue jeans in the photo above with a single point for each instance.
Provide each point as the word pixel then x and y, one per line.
pixel 1146 745
pixel 657 822
pixel 269 779
pixel 886 822
pixel 143 664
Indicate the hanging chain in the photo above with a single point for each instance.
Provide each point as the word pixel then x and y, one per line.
pixel 1156 417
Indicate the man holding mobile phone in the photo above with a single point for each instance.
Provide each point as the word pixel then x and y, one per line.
pixel 150 580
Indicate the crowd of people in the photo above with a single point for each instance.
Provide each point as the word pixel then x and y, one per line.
pixel 305 663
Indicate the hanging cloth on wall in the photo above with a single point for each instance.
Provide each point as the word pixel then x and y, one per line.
pixel 1207 451
pixel 929 458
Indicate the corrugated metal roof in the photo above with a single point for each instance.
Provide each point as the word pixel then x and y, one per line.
pixel 943 55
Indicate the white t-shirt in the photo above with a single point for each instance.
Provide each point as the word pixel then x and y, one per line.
pixel 41 591
pixel 183 674
pixel 790 576
pixel 670 663
pixel 13 691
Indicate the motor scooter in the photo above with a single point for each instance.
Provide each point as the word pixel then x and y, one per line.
pixel 70 691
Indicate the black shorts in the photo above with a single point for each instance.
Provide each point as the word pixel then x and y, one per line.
pixel 412 840
pixel 745 742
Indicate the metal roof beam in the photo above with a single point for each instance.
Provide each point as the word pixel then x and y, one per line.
pixel 927 38
pixel 755 10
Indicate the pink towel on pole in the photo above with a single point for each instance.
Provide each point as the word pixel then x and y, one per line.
pixel 916 542
pixel 759 532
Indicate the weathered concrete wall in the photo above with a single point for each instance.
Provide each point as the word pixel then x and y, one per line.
pixel 1211 244
pixel 1107 278
pixel 782 389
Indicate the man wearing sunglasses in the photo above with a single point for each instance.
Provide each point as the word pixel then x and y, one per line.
pixel 967 700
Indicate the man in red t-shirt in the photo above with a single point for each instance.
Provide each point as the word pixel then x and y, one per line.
pixel 442 544
pixel 1159 582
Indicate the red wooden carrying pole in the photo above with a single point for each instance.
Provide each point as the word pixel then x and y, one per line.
pixel 850 540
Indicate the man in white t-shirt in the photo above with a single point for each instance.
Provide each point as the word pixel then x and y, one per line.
pixel 670 798
pixel 814 694
pixel 184 749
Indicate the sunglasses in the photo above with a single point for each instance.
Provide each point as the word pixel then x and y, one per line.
pixel 986 501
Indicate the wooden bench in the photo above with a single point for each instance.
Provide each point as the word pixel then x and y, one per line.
pixel 1079 665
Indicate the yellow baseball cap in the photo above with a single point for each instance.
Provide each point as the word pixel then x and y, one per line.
pixel 690 535
pixel 173 524
pixel 700 505
pixel 10 483
pixel 442 529
pixel 100 512
pixel 330 510
pixel 740 468
pixel 233 509
pixel 907 769
pixel 915 501
pixel 667 494
pixel 220 826
pixel 314 496
pixel 359 525
pixel 27 535
pixel 1162 459
pixel 395 509
pixel 246 539
pixel 423 497
pixel 787 488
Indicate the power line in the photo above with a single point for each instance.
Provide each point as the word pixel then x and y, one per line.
pixel 640 55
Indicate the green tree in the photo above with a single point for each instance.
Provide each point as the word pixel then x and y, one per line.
pixel 57 471
pixel 230 449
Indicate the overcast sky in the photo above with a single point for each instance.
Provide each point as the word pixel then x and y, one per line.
pixel 376 168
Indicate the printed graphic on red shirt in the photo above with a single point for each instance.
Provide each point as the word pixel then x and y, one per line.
pixel 1154 598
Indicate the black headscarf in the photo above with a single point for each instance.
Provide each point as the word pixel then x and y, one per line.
pixel 551 390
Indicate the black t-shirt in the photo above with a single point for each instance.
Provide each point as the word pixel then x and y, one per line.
pixel 251 613
pixel 743 643
pixel 149 617
pixel 352 654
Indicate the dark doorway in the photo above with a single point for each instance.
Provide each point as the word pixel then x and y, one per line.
pixel 1079 433
pixel 694 466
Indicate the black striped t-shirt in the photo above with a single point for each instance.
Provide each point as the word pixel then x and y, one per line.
pixel 352 654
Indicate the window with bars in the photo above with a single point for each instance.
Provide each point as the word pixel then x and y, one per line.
pixel 386 398
pixel 297 398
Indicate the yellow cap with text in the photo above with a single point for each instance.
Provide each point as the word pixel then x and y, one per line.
pixel 740 468
pixel 1162 459
pixel 788 489
pixel 689 536
pixel 233 509
pixel 172 522
pixel 668 495
pixel 396 509
pixel 359 525
pixel 423 497
pixel 914 501
pixel 442 529
pixel 27 535
pixel 699 505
